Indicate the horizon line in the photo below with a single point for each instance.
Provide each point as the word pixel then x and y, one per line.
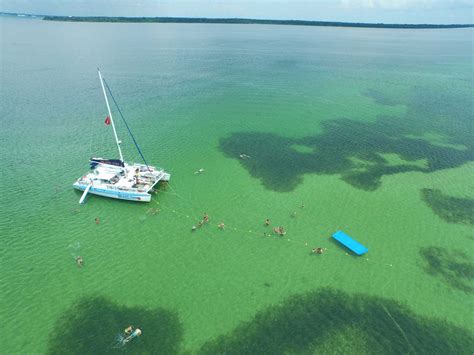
pixel 236 20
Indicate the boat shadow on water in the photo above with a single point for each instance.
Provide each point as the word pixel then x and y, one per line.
pixel 325 321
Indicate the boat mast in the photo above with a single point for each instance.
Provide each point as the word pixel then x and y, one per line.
pixel 110 115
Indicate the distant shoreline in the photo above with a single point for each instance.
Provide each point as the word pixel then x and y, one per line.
pixel 240 21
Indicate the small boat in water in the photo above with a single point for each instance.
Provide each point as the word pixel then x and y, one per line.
pixel 116 178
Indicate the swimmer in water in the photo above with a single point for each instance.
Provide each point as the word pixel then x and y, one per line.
pixel 318 250
pixel 193 228
pixel 128 330
pixel 97 221
pixel 154 211
pixel 79 261
pixel 221 225
pixel 206 217
pixel 267 222
pixel 137 332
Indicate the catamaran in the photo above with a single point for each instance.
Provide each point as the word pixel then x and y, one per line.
pixel 114 177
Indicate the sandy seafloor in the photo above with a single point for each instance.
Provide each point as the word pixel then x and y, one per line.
pixel 370 129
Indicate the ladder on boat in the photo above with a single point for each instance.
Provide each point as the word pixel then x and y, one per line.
pixel 86 191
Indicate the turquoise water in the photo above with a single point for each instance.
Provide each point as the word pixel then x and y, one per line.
pixel 370 129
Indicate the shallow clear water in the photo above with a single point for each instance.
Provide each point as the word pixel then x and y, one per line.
pixel 359 125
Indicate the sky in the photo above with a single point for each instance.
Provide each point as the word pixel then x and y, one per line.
pixel 386 11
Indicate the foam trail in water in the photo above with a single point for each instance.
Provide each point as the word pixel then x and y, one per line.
pixel 74 249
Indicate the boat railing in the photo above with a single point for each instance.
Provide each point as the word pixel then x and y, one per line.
pixel 83 181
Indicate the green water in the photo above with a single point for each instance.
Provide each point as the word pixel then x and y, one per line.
pixel 370 129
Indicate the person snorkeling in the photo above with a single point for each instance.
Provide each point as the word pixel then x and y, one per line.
pixel 137 332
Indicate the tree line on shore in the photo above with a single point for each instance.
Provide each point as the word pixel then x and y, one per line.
pixel 246 21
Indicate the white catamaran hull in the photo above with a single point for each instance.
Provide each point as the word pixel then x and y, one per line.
pixel 114 178
pixel 107 190
pixel 120 195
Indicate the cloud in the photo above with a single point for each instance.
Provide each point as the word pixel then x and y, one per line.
pixel 381 4
pixel 403 4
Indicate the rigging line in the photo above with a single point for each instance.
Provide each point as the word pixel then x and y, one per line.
pixel 90 135
pixel 126 124
pixel 182 198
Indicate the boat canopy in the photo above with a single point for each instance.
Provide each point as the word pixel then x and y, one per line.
pixel 96 161
pixel 105 175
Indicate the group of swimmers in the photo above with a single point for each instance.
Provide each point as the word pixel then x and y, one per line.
pixel 205 219
pixel 131 333
pixel 279 230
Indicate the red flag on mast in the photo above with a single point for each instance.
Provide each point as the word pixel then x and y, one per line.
pixel 107 120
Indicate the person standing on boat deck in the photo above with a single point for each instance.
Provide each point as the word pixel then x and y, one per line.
pixel 137 173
